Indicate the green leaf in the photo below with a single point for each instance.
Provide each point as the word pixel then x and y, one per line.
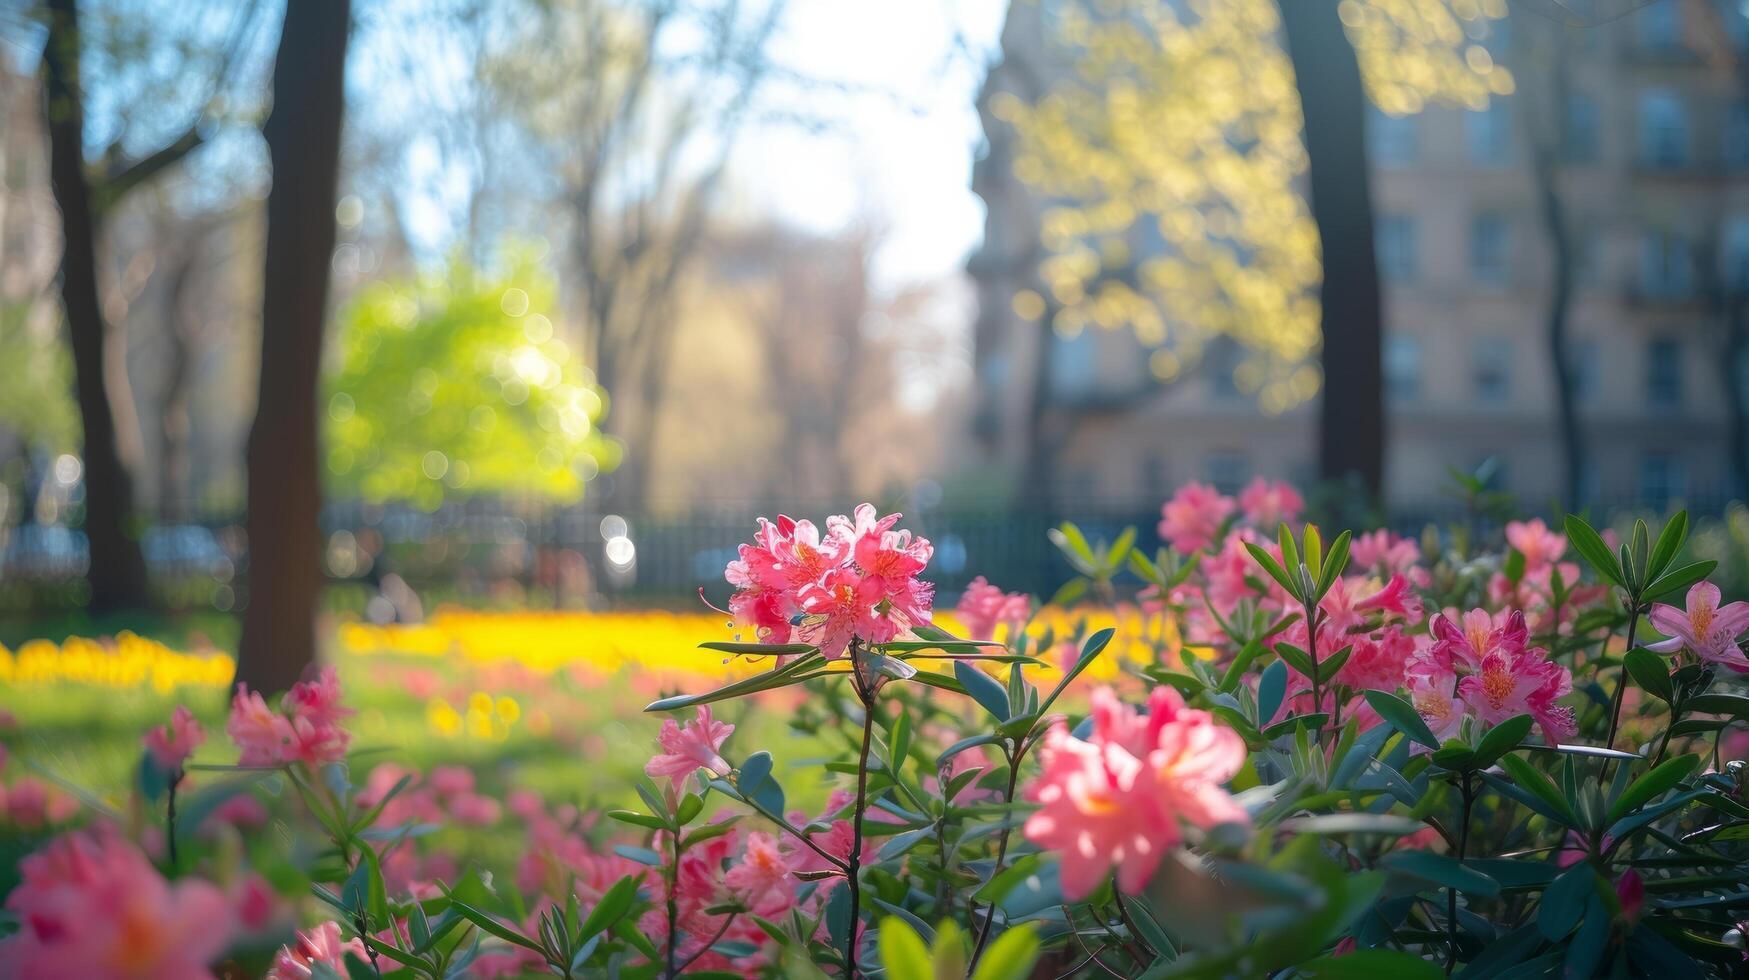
pixel 1735 705
pixel 1564 902
pixel 903 954
pixel 1332 665
pixel 1402 716
pixel 1334 563
pixel 1531 779
pixel 1003 882
pixel 1590 546
pixel 1669 543
pixel 969 742
pixel 948 957
pixel 1271 688
pixel 1011 956
pixel 1298 659
pixel 1441 870
pixel 1651 672
pixel 614 904
pixel 793 672
pixel 1273 568
pixel 1652 785
pixel 1150 930
pixel 1501 739
pixel 638 819
pixel 690 805
pixel 1369 964
pixel 1090 652
pixel 1678 579
pixel 1312 549
pixel 757 649
pixel 490 924
pixel 1290 555
pixel 982 688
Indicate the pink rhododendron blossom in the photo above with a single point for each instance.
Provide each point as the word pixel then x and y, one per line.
pixel 320 944
pixel 1540 546
pixel 305 729
pixel 856 581
pixel 1438 707
pixel 1267 504
pixel 983 607
pixel 173 743
pixel 1705 628
pixel 90 904
pixel 762 879
pixel 1193 516
pixel 1498 674
pixel 689 747
pixel 1121 797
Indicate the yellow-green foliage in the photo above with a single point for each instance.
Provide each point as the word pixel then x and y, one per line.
pixel 1179 136
pixel 457 384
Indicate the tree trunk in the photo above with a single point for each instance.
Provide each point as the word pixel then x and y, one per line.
pixel 1351 423
pixel 285 543
pixel 118 572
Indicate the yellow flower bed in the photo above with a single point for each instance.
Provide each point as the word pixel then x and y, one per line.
pixel 128 661
pixel 658 643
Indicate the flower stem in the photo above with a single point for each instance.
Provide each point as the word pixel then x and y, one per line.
pixel 1451 894
pixel 1001 851
pixel 1622 686
pixel 170 815
pixel 865 694
pixel 673 873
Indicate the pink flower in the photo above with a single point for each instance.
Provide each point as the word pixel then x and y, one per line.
pixel 1193 516
pixel 983 607
pixel 1515 679
pixel 1268 504
pixel 321 944
pixel 843 606
pixel 1437 706
pixel 1706 628
pixel 762 879
pixel 690 747
pixel 306 728
pixel 1630 891
pixel 1540 546
pixel 1468 646
pixel 172 744
pixel 1121 797
pixel 1395 599
pixel 91 905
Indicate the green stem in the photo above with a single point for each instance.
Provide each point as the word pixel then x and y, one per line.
pixel 1622 685
pixel 673 875
pixel 866 696
pixel 1451 895
pixel 170 816
pixel 1001 852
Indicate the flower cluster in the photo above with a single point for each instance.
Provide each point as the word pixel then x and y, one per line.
pixel 1122 796
pixel 858 579
pixel 306 728
pixel 1487 668
pixel 984 607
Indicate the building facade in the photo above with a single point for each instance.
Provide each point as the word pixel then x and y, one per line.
pixel 1652 170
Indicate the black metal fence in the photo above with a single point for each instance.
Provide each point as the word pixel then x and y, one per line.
pixel 526 551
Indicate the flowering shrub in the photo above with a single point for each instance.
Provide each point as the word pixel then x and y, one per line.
pixel 1366 757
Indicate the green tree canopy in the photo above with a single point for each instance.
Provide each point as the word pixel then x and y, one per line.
pixel 457 385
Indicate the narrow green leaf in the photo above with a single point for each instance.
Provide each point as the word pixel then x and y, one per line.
pixel 1501 739
pixel 1590 546
pixel 903 954
pixel 1531 779
pixel 1274 569
pixel 1652 785
pixel 983 689
pixel 1090 651
pixel 1402 716
pixel 1651 672
pixel 1011 956
pixel 1669 543
pixel 1678 579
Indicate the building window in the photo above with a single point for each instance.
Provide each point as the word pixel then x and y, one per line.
pixel 1663 479
pixel 1228 470
pixel 1734 143
pixel 1579 129
pixel 1658 27
pixel 1734 254
pixel 1074 363
pixel 1396 248
pixel 1664 373
pixel 1403 367
pixel 1666 267
pixel 1663 130
pixel 1491 368
pixel 1488 248
pixel 1394 141
pixel 1582 368
pixel 1488 134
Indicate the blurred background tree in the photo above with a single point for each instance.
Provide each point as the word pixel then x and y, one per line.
pixel 1179 136
pixel 454 384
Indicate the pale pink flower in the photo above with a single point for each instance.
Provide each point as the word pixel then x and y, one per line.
pixel 1437 706
pixel 1540 546
pixel 90 904
pixel 1521 680
pixel 1120 798
pixel 321 944
pixel 1267 504
pixel 1193 516
pixel 762 878
pixel 31 804
pixel 1706 628
pixel 983 607
pixel 688 747
pixel 173 743
pixel 259 731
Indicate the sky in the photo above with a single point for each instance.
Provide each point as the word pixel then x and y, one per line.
pixel 900 154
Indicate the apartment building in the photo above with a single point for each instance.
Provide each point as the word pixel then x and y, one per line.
pixel 1654 176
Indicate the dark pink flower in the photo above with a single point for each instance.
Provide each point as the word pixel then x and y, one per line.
pixel 983 607
pixel 1193 516
pixel 1267 504
pixel 321 944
